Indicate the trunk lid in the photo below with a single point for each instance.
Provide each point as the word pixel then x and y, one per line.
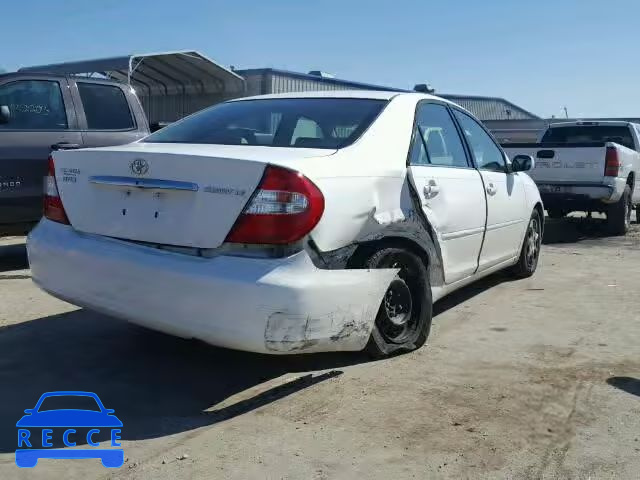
pixel 172 194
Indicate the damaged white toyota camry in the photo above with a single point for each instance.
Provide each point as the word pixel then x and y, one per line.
pixel 289 223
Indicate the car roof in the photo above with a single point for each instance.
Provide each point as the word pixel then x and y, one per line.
pixel 70 393
pixel 366 94
pixel 45 75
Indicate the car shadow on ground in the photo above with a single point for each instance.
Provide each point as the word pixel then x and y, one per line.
pixel 626 384
pixel 577 229
pixel 158 385
pixel 460 296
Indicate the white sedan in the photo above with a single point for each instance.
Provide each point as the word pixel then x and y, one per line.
pixel 289 223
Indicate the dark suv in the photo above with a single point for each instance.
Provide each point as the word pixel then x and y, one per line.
pixel 39 112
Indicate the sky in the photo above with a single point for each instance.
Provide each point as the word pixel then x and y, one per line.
pixel 543 55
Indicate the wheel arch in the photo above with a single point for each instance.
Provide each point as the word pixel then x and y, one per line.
pixel 425 248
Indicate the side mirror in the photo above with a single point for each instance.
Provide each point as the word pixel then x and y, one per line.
pixel 5 114
pixel 109 411
pixel 29 411
pixel 522 163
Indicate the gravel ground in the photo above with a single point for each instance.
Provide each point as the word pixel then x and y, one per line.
pixel 528 379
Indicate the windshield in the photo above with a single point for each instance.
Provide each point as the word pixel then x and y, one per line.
pixel 586 134
pixel 66 402
pixel 283 122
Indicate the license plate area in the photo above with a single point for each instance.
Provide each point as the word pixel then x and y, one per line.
pixel 554 189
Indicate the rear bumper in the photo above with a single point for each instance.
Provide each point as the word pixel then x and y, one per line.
pixel 581 196
pixel 260 305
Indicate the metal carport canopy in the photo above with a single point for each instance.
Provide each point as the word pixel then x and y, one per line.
pixel 165 73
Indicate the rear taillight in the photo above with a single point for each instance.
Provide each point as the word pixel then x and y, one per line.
pixel 284 208
pixel 53 208
pixel 611 163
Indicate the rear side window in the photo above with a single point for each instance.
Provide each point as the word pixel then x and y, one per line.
pixel 105 107
pixel 279 122
pixel 33 105
pixel 588 134
pixel 436 139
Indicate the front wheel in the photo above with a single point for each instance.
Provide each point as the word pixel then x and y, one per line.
pixel 403 321
pixel 530 253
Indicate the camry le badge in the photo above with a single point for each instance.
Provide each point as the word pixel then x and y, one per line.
pixel 139 166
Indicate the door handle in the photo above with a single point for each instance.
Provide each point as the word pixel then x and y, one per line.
pixel 64 146
pixel 491 189
pixel 431 189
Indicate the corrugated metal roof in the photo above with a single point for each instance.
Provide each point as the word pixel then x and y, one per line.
pixel 165 73
pixel 315 78
pixel 490 108
pixel 280 81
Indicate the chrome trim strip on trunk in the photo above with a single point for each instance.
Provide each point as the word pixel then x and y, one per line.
pixel 153 183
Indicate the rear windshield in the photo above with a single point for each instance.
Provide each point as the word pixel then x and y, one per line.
pixel 585 134
pixel 283 122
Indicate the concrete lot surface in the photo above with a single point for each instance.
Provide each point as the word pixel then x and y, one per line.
pixel 529 379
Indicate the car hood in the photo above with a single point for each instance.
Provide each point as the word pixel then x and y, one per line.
pixel 69 418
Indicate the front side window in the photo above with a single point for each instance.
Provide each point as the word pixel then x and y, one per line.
pixel 280 122
pixel 33 105
pixel 436 140
pixel 105 107
pixel 486 153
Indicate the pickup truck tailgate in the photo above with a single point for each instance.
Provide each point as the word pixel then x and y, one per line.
pixel 565 164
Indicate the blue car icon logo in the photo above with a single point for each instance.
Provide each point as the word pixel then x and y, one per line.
pixel 36 430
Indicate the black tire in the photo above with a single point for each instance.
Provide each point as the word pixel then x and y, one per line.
pixel 530 253
pixel 556 213
pixel 397 330
pixel 619 214
pixel 638 214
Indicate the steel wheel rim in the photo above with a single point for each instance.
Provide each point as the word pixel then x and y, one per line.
pixel 397 325
pixel 398 303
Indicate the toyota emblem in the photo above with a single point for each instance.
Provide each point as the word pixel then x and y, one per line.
pixel 139 166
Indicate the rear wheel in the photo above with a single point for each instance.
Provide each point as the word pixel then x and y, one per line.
pixel 619 214
pixel 530 253
pixel 404 318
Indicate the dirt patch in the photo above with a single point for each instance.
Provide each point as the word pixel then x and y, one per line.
pixel 529 379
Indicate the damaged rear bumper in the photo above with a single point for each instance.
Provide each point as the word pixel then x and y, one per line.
pixel 261 305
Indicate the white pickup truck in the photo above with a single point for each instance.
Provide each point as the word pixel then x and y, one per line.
pixel 587 166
